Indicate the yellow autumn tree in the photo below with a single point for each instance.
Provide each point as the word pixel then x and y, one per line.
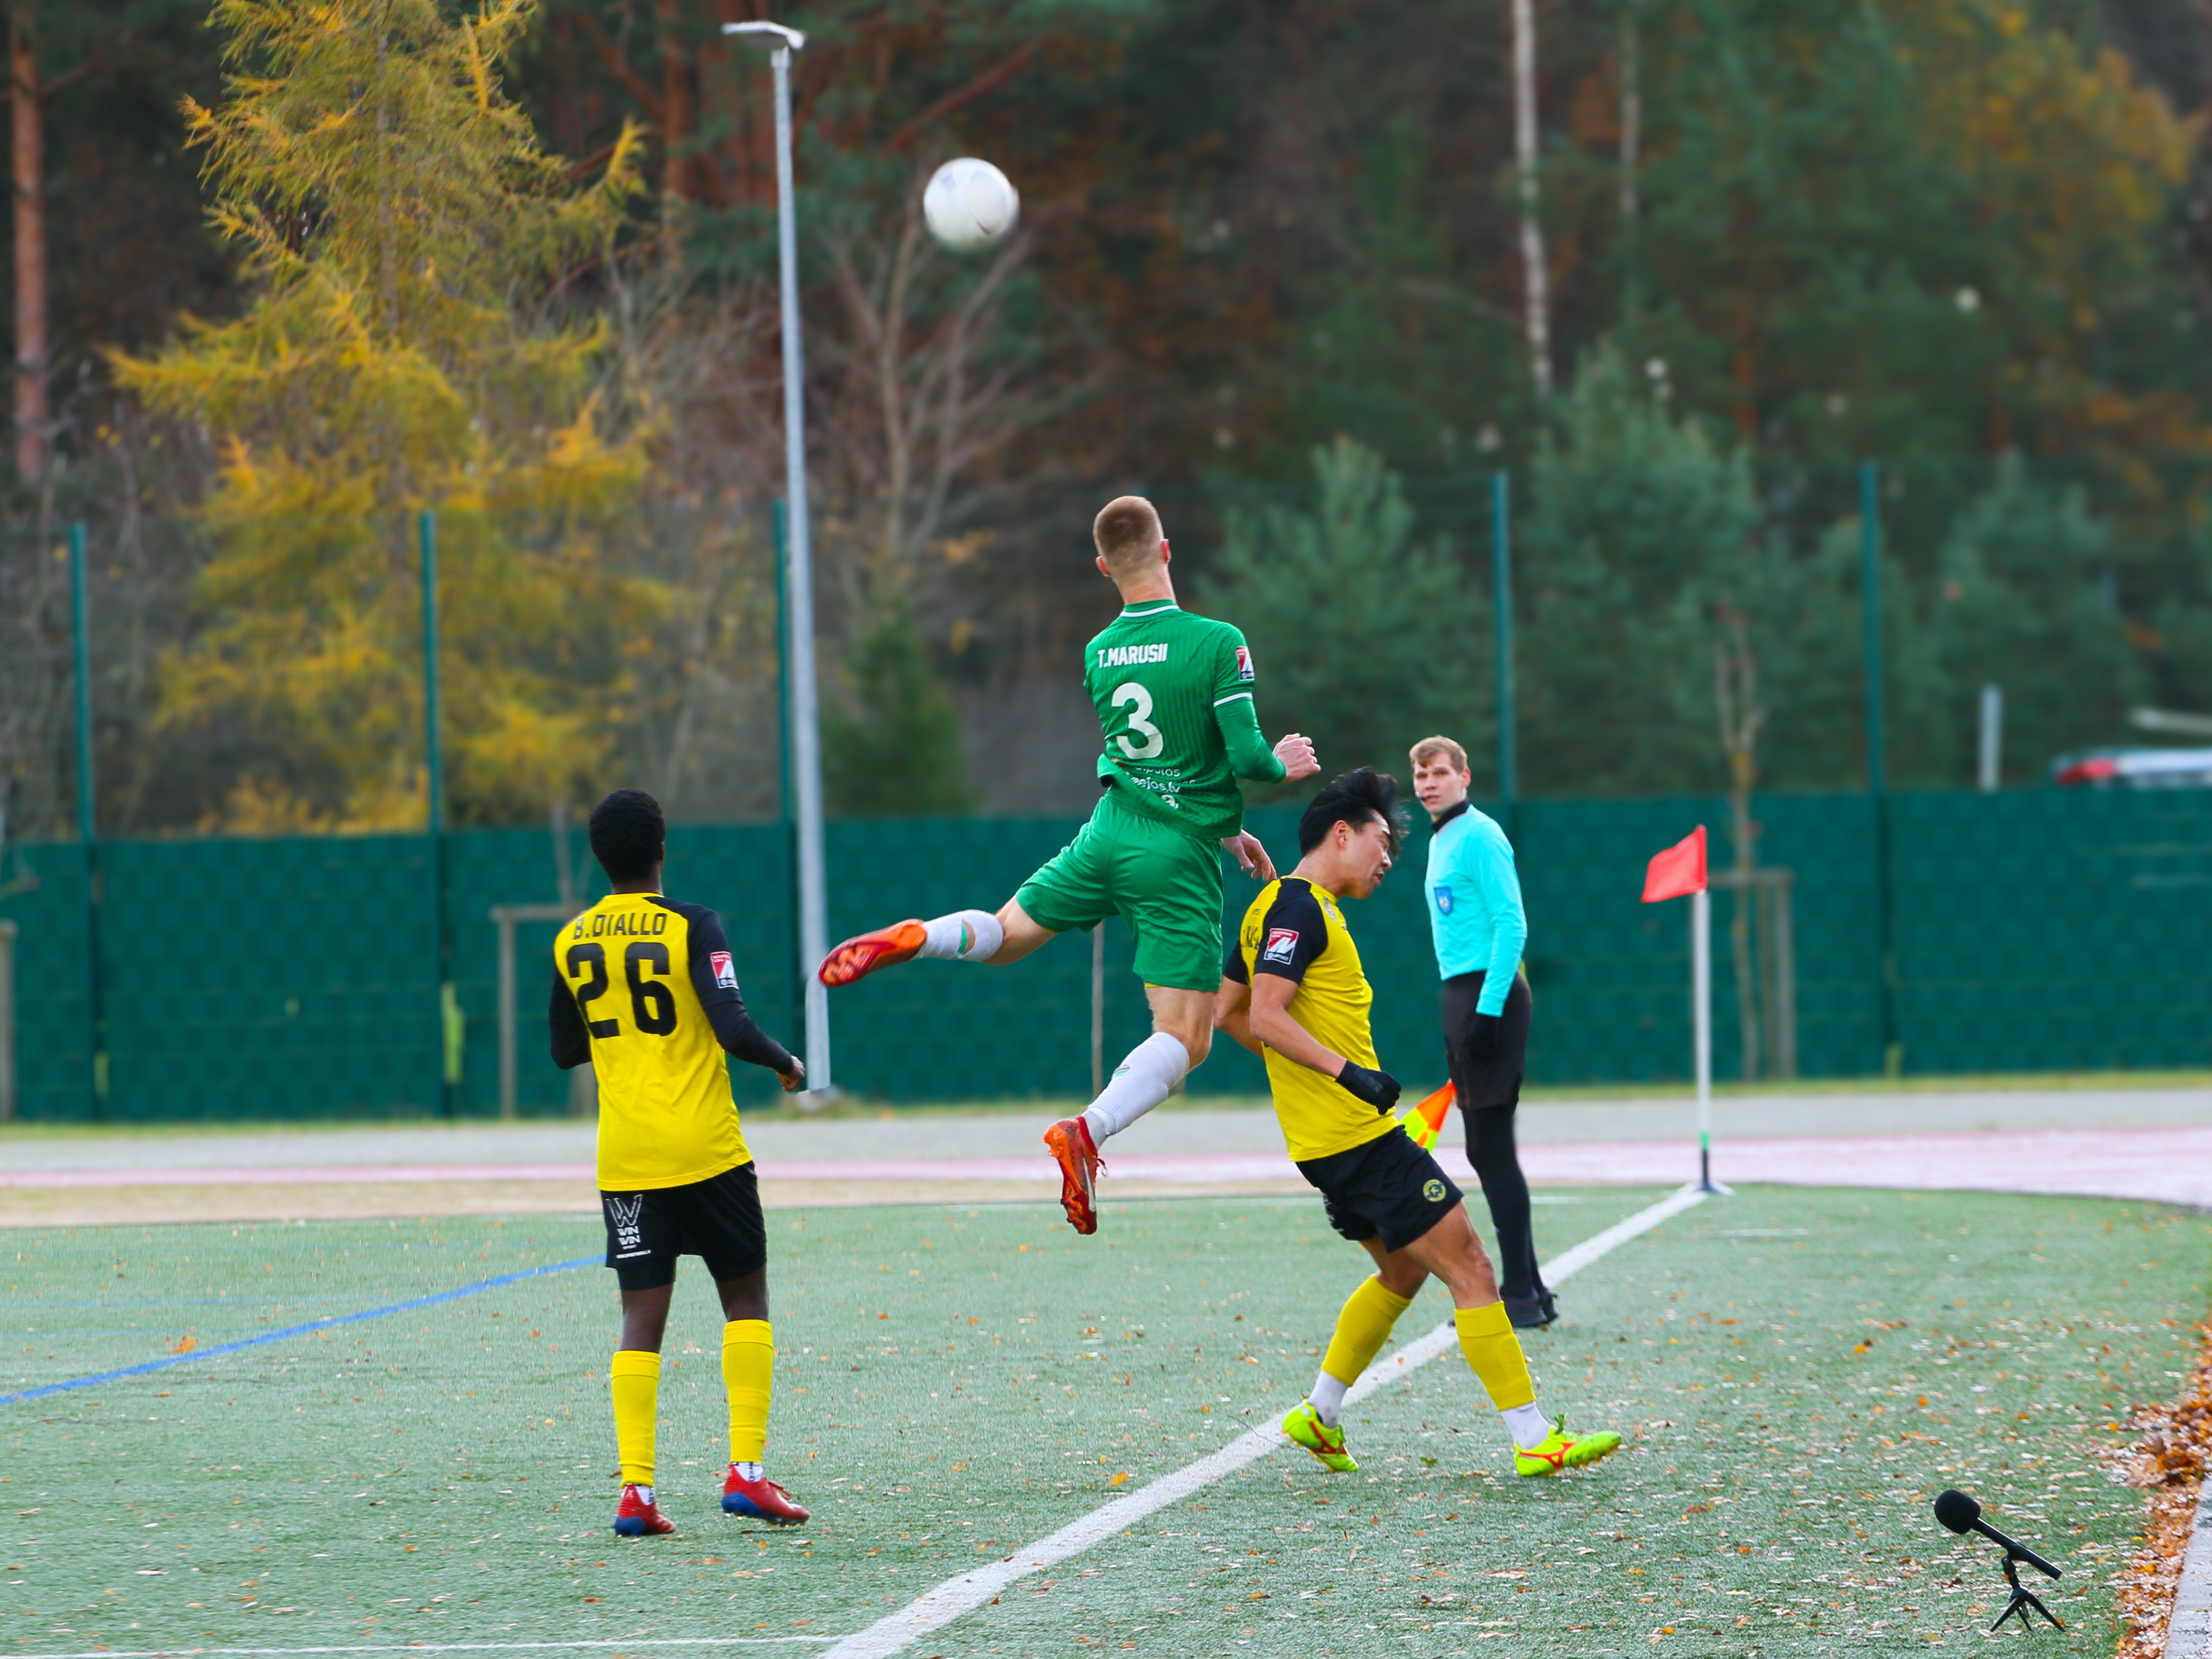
pixel 407 349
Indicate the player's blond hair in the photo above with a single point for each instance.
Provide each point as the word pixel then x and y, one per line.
pixel 1128 535
pixel 1428 748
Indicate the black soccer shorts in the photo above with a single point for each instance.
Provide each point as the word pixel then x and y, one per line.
pixel 717 1219
pixel 1481 1083
pixel 1389 1187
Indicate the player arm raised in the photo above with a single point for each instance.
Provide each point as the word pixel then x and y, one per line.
pixel 1237 718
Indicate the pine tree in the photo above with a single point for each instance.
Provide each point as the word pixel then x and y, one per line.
pixel 406 351
pixel 1639 524
pixel 1367 637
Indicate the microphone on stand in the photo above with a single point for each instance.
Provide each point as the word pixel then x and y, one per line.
pixel 1962 1515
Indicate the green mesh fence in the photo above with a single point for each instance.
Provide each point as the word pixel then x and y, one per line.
pixel 295 978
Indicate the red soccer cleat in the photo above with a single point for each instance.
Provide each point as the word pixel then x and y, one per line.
pixel 760 1500
pixel 639 1517
pixel 1069 1141
pixel 860 956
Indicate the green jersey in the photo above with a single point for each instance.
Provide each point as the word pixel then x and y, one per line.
pixel 1174 696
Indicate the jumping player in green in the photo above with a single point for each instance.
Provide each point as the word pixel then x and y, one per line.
pixel 1174 696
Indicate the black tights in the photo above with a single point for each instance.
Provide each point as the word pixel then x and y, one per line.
pixel 1490 1149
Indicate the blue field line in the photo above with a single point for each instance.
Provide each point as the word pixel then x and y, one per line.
pixel 323 1324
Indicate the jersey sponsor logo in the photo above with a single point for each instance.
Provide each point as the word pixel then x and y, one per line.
pixel 1434 1192
pixel 1244 662
pixel 1282 944
pixel 725 972
pixel 1443 901
pixel 1126 656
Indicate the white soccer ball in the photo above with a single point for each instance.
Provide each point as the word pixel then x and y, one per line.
pixel 969 204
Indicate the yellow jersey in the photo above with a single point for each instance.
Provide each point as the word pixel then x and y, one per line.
pixel 1294 930
pixel 643 987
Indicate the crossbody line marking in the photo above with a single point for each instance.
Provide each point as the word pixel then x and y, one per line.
pixel 956 1597
pixel 330 1322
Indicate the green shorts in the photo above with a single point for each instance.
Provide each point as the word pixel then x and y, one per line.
pixel 1163 882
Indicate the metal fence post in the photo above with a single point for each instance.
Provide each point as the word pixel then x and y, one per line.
pixel 96 1022
pixel 504 917
pixel 1892 1055
pixel 435 812
pixel 1501 559
pixel 7 1022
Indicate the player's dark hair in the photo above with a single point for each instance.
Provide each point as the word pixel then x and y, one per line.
pixel 1356 797
pixel 628 834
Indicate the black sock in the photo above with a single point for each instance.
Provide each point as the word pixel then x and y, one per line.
pixel 1490 1149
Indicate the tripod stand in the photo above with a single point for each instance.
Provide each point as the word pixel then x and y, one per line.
pixel 2022 1599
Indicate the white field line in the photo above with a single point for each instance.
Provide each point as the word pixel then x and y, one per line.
pixel 956 1597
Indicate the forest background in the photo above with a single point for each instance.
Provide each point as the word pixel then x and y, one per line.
pixel 287 275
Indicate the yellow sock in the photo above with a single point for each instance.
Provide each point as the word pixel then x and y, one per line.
pixel 1493 1354
pixel 635 1378
pixel 1362 1329
pixel 748 1373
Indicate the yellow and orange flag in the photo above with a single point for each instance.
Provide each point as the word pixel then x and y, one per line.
pixel 1426 1120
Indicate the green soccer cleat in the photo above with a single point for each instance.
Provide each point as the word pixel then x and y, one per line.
pixel 1304 1427
pixel 1562 1450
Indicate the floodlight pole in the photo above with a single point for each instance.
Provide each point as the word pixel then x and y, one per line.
pixel 800 711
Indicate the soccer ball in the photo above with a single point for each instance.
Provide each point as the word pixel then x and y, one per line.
pixel 969 204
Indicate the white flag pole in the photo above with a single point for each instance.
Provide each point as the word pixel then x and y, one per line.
pixel 1701 1022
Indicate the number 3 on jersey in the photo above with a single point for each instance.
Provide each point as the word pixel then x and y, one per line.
pixel 1140 720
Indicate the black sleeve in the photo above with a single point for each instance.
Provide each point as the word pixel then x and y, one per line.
pixel 1233 965
pixel 715 977
pixel 571 1044
pixel 1293 934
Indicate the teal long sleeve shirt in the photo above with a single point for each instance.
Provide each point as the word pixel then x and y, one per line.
pixel 1475 904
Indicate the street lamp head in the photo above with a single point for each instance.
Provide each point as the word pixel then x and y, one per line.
pixel 778 34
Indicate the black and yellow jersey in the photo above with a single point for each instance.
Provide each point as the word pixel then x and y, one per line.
pixel 1293 930
pixel 644 988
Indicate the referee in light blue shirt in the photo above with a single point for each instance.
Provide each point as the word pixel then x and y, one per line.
pixel 1474 914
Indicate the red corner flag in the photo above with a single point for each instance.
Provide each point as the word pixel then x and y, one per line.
pixel 1677 870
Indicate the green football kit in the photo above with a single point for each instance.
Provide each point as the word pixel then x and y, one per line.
pixel 1174 696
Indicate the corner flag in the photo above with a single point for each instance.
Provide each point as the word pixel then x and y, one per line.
pixel 1679 871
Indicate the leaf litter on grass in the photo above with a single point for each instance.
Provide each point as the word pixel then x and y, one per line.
pixel 1795 1394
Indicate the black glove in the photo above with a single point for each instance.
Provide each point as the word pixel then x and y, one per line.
pixel 1378 1089
pixel 1482 1037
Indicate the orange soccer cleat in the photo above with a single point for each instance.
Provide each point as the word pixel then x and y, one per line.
pixel 861 955
pixel 1069 1141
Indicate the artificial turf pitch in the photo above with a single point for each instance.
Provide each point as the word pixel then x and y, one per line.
pixel 1798 1373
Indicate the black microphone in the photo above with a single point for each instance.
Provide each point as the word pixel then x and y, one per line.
pixel 1962 1515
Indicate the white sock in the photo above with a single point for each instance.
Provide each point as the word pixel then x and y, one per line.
pixel 978 930
pixel 749 1471
pixel 1328 1396
pixel 1528 1427
pixel 1154 1070
pixel 645 1493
